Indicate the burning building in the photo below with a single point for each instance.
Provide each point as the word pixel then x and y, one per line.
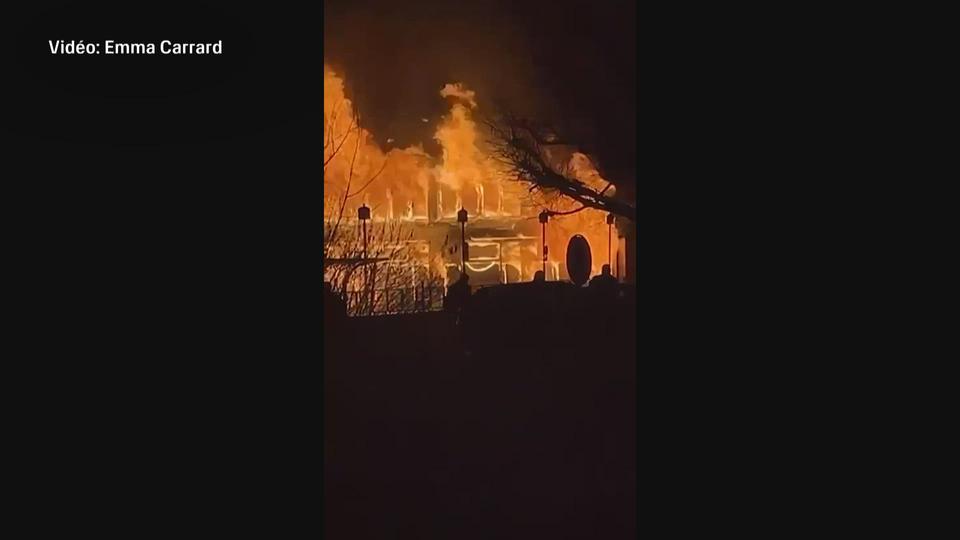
pixel 418 196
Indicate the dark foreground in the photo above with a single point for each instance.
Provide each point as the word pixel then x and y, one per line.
pixel 524 428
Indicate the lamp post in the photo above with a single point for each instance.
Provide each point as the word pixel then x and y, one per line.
pixel 462 219
pixel 544 217
pixel 363 214
pixel 610 219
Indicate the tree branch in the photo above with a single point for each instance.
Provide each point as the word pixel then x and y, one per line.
pixel 519 145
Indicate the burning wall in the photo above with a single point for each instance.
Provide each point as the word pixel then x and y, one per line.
pixel 409 185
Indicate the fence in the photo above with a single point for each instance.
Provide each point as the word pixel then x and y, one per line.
pixel 422 299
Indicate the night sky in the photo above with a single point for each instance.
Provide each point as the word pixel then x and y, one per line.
pixel 570 64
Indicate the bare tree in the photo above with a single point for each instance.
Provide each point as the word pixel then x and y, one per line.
pixel 388 276
pixel 382 274
pixel 521 147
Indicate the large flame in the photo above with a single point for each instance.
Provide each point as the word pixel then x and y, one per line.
pixel 396 184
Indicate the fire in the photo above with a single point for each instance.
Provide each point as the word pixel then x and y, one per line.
pixel 409 185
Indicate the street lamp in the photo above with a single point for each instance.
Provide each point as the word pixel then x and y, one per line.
pixel 462 219
pixel 610 219
pixel 544 217
pixel 363 214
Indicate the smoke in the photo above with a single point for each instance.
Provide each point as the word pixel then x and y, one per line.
pixel 398 55
pixel 584 169
pixel 573 67
pixel 457 90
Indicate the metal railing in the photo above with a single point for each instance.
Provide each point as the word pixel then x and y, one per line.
pixel 422 299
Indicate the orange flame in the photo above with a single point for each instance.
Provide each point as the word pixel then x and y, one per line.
pixel 464 173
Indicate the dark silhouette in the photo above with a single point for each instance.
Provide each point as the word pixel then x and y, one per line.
pixel 537 298
pixel 334 309
pixel 458 295
pixel 604 284
pixel 519 368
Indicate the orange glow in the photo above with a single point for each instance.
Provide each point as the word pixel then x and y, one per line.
pixel 464 175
